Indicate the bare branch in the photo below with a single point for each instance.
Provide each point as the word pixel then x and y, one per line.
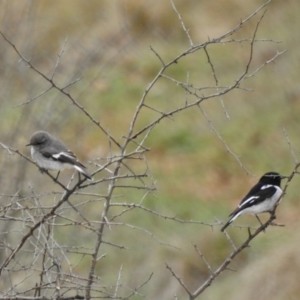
pixel 182 24
pixel 179 280
pixel 223 141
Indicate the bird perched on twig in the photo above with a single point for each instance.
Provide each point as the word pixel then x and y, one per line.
pixel 261 198
pixel 52 154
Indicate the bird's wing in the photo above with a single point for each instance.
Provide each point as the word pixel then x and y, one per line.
pixel 256 195
pixel 67 157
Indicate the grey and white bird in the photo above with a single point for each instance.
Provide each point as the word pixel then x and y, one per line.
pixel 52 154
pixel 260 199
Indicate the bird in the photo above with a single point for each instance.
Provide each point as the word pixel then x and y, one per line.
pixel 50 153
pixel 261 198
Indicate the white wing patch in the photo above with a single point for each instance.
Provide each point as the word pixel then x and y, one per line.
pixel 63 154
pixel 266 186
pixel 248 200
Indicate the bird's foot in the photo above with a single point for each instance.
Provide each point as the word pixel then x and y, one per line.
pixel 57 175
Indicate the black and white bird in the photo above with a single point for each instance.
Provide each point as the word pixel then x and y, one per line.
pixel 52 154
pixel 260 199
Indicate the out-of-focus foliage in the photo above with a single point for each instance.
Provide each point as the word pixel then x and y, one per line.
pixel 107 44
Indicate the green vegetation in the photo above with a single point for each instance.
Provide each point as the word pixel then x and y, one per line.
pixel 197 178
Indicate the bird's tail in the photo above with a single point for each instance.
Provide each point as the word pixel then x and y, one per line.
pixel 233 217
pixel 226 225
pixel 84 173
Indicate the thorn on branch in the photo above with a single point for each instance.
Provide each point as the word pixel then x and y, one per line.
pixel 276 224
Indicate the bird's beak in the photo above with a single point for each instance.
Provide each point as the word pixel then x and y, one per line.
pixel 284 176
pixel 28 145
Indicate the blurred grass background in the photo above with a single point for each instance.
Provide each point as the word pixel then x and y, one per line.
pixel 107 44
